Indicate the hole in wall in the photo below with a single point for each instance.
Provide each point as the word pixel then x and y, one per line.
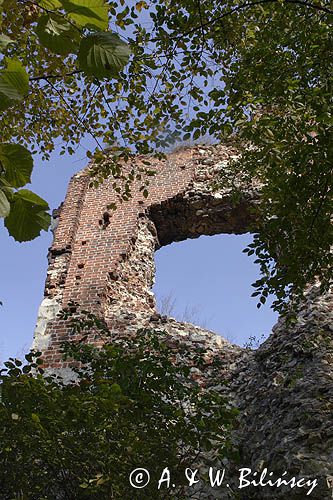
pixel 207 282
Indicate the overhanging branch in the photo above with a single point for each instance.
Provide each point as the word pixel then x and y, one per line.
pixel 248 5
pixel 53 76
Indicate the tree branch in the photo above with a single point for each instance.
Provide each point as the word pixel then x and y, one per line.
pixel 249 5
pixel 80 121
pixel 53 12
pixel 311 5
pixel 201 24
pixel 48 77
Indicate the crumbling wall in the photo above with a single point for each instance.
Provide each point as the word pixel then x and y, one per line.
pixel 104 261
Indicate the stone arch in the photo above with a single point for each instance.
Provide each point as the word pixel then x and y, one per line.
pixel 104 261
pixel 195 213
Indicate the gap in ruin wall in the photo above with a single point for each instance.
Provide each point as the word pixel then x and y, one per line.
pixel 107 264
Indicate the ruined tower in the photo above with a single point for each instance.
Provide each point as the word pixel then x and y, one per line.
pixel 104 261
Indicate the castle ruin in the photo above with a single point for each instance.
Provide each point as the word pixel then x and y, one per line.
pixel 104 261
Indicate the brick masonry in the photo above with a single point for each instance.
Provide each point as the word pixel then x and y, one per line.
pixel 104 260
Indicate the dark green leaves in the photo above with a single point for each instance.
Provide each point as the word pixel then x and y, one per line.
pixel 16 162
pixel 57 34
pixel 4 204
pixel 88 13
pixel 28 216
pixel 14 83
pixel 103 55
pixel 25 213
pixel 98 425
pixel 60 30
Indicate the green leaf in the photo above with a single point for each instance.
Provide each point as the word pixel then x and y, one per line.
pixel 27 216
pixel 17 163
pixel 88 13
pixel 116 388
pixel 14 83
pixel 103 54
pixel 4 41
pixel 4 205
pixel 196 134
pixel 57 35
pixel 49 4
pixel 32 198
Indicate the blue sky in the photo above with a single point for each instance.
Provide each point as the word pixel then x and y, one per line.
pixel 23 265
pixel 209 281
pixel 209 276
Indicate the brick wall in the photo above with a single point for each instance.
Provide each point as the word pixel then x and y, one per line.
pixel 104 260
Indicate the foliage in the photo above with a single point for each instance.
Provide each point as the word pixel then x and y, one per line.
pixel 280 100
pixel 258 71
pixel 261 72
pixel 254 341
pixel 56 34
pixel 132 406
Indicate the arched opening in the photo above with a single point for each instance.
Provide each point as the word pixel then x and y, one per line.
pixel 207 281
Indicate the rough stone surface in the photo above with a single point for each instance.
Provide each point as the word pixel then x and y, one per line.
pixel 104 260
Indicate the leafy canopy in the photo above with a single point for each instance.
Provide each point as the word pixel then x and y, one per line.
pixel 71 31
pixel 257 71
